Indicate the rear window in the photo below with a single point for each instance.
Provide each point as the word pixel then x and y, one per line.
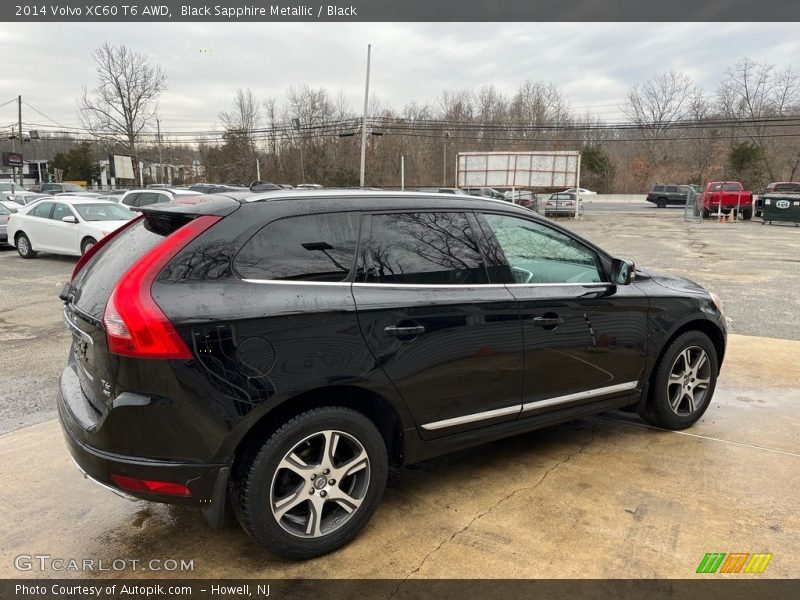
pixel 423 248
pixel 97 279
pixel 318 247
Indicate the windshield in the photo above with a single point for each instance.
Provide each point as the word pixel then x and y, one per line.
pixel 104 212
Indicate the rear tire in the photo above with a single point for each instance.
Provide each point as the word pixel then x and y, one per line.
pixel 661 203
pixel 747 215
pixel 87 244
pixel 313 485
pixel 24 247
pixel 683 382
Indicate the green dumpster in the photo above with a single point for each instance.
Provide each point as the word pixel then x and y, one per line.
pixel 781 208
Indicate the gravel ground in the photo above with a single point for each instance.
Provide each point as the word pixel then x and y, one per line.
pixel 754 269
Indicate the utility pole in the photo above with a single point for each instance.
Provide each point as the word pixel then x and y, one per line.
pixel 19 106
pixel 364 124
pixel 402 173
pixel 444 158
pixel 160 157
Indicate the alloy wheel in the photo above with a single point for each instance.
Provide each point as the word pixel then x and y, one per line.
pixel 688 381
pixel 23 246
pixel 320 484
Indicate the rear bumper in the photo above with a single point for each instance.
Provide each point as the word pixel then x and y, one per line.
pixel 79 426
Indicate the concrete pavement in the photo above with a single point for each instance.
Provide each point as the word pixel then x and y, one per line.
pixel 603 497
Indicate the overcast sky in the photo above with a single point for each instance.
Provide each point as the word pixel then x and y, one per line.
pixel 592 63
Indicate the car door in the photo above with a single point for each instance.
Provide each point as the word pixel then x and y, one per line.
pixel 37 225
pixel 673 195
pixel 450 341
pixel 63 237
pixel 584 337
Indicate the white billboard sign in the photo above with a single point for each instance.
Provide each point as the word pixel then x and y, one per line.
pixel 518 169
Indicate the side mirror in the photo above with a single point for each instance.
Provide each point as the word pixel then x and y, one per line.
pixel 623 271
pixel 69 219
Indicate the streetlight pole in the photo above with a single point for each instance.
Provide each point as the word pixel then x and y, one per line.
pixel 402 172
pixel 364 124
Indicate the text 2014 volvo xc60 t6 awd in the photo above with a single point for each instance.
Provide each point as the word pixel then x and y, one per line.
pixel 280 351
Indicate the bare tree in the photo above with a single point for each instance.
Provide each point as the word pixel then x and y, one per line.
pixel 245 116
pixel 756 92
pixel 124 102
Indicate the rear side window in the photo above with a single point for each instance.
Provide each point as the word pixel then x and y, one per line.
pixel 671 189
pixel 319 247
pixel 148 198
pixel 42 210
pixel 430 248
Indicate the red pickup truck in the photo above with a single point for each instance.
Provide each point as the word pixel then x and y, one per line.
pixel 726 196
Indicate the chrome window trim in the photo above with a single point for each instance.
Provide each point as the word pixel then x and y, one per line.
pixel 500 412
pixel 293 282
pixel 620 387
pixel 425 285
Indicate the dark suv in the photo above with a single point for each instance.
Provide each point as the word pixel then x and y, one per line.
pixel 665 194
pixel 279 351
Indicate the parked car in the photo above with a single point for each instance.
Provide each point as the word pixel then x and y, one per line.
pixel 139 198
pixel 64 225
pixel 216 188
pixel 778 186
pixel 9 187
pixel 82 194
pixel 562 205
pixel 443 190
pixel 582 191
pixel 486 192
pixel 281 355
pixel 670 194
pixel 725 197
pixel 5 213
pixel 25 198
pixel 113 196
pixel 55 188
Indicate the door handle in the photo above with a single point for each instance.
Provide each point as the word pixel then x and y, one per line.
pixel 409 331
pixel 549 322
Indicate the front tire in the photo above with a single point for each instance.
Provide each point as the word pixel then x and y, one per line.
pixel 313 485
pixel 24 246
pixel 683 383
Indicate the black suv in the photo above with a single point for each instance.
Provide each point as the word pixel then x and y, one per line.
pixel 664 194
pixel 279 351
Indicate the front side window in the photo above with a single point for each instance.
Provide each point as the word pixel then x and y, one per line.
pixel 426 248
pixel 658 188
pixel 61 211
pixel 671 189
pixel 318 247
pixel 537 253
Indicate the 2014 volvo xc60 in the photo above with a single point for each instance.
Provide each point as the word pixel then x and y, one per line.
pixel 280 351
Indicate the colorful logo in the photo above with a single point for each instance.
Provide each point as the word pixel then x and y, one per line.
pixel 741 562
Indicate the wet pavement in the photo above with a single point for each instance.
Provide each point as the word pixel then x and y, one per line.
pixel 604 497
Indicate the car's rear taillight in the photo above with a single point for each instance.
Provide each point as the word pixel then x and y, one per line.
pixel 135 325
pixel 135 484
pixel 107 237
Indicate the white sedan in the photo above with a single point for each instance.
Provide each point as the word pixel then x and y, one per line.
pixel 581 191
pixel 64 225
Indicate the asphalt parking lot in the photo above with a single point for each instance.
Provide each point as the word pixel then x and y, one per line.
pixel 599 497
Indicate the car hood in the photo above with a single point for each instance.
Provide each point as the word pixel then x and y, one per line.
pixel 672 282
